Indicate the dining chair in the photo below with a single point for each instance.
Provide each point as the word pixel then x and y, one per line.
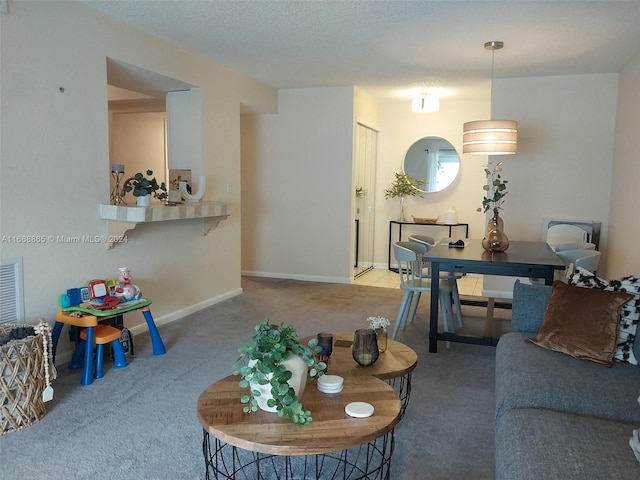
pixel 423 239
pixel 587 259
pixel 575 246
pixel 569 247
pixel 409 259
pixel 430 242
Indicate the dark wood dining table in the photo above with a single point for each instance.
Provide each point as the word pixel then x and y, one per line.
pixel 522 259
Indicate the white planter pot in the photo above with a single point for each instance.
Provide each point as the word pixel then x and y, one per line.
pixel 298 381
pixel 143 201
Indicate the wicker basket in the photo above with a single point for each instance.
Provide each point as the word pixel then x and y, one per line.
pixel 22 380
pixel 425 221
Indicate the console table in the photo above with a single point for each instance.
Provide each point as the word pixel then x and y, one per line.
pixel 400 223
pixel 264 445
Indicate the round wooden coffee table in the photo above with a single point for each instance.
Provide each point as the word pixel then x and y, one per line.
pixel 394 365
pixel 334 445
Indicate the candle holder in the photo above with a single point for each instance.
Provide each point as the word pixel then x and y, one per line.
pixel 117 172
pixel 325 342
pixel 365 347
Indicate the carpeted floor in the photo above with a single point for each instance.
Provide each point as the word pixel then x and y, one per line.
pixel 140 422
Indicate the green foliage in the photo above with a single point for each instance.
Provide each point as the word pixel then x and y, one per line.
pixel 496 188
pixel 272 345
pixel 404 185
pixel 141 186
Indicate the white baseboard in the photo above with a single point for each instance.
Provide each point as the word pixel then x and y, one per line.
pixel 292 276
pixel 183 312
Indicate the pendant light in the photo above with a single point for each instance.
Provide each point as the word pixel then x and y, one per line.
pixel 490 137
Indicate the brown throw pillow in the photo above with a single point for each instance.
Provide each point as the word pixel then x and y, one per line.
pixel 582 322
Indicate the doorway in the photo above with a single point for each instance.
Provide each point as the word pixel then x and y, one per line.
pixel 366 151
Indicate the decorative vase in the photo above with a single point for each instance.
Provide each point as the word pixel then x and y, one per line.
pixel 403 218
pixel 193 196
pixel 381 336
pixel 143 201
pixel 365 347
pixel 298 381
pixel 495 239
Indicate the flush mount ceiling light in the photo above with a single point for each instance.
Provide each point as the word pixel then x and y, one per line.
pixel 490 137
pixel 425 104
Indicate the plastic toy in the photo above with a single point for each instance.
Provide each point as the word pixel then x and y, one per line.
pixel 125 290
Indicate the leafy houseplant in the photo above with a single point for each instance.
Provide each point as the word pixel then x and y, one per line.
pixel 404 185
pixel 141 186
pixel 261 364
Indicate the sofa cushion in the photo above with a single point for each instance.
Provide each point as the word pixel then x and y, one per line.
pixel 531 377
pixel 582 322
pixel 551 445
pixel 529 304
pixel 628 348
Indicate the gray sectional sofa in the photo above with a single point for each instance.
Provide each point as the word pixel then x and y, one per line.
pixel 558 417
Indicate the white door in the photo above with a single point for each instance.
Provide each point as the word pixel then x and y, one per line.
pixel 366 150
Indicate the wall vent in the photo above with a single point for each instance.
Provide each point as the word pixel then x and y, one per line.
pixel 11 294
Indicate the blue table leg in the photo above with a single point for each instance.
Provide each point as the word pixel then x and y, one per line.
pixel 87 371
pixel 156 341
pixel 55 336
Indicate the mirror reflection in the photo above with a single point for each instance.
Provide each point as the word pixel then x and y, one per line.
pixel 434 160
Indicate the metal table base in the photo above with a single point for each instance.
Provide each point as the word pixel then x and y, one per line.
pixel 370 461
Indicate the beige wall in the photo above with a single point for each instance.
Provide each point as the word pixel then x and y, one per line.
pixel 624 227
pixel 297 186
pixel 565 151
pixel 55 160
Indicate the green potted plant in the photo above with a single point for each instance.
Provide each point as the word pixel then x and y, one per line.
pixel 142 186
pixel 267 369
pixel 404 185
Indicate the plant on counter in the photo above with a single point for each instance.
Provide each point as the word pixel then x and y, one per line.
pixel 261 364
pixel 140 186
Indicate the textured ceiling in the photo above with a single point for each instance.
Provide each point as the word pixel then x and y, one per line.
pixel 391 47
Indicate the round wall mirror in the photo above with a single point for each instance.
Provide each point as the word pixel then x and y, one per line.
pixel 434 160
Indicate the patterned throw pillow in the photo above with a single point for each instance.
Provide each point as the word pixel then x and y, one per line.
pixel 629 314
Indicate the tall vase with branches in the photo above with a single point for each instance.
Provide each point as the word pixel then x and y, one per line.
pixel 495 239
pixel 404 185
